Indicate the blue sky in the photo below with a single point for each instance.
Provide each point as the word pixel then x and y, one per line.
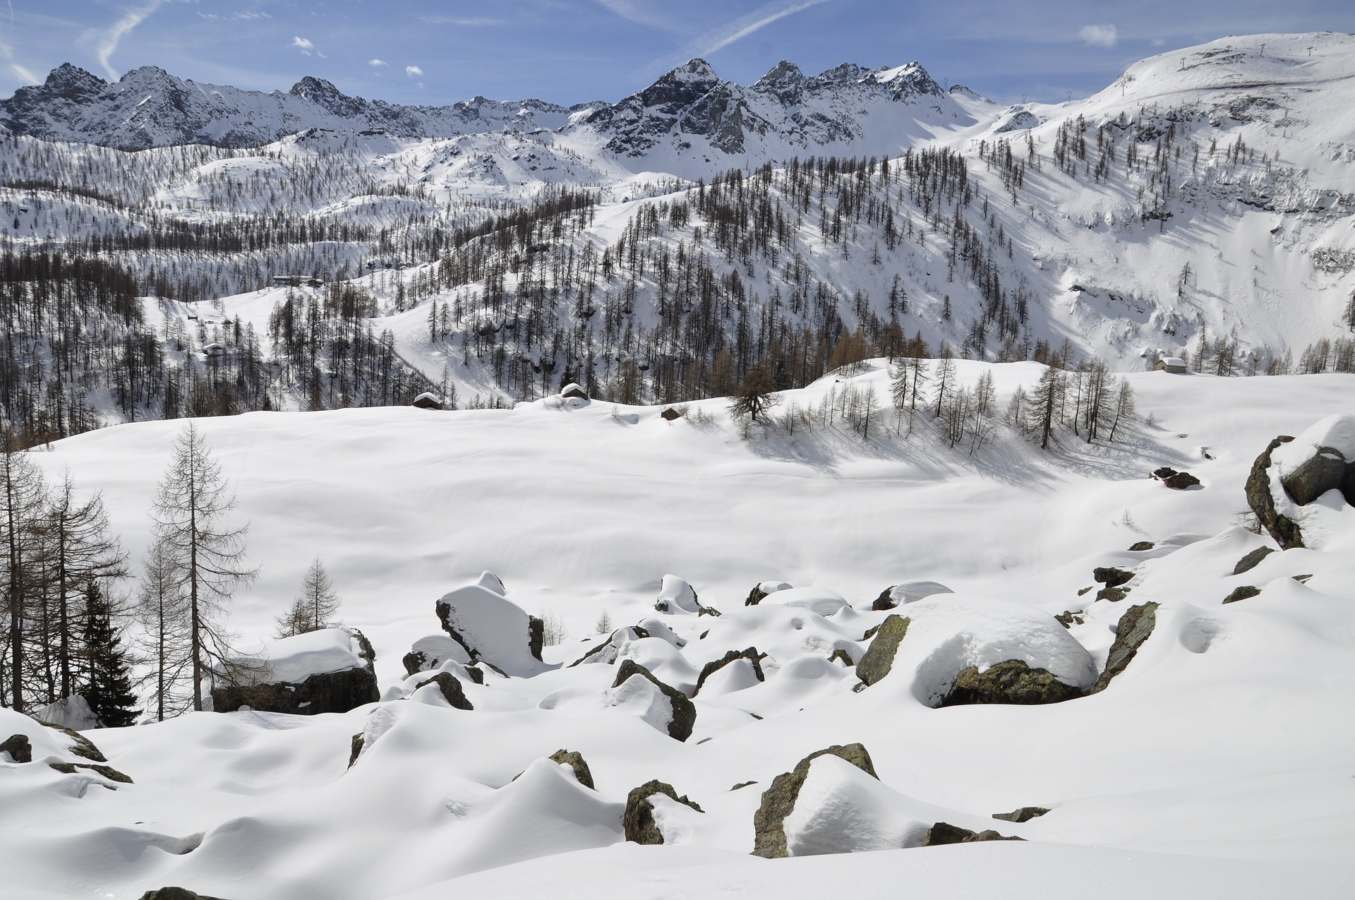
pixel 574 50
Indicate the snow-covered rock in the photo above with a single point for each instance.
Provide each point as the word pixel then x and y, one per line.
pixel 324 671
pixel 490 627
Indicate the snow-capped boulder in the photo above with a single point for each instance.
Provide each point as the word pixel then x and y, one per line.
pixel 427 400
pixel 746 671
pixel 658 628
pixel 449 688
pixel 607 651
pixel 779 800
pixel 431 652
pixel 943 833
pixel 818 600
pixel 908 592
pixel 491 628
pixel 1134 627
pixel 664 707
pixel 652 806
pixel 325 671
pixel 574 761
pixel 762 589
pixel 1011 681
pixel 573 391
pixel 62 749
pixel 1320 459
pixel 678 596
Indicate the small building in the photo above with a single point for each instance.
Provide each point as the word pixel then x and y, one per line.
pixel 1173 364
pixel 427 400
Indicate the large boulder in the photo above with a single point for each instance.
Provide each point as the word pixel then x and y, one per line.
pixel 908 592
pixel 751 660
pixel 663 706
pixel 1011 681
pixel 491 628
pixel 944 833
pixel 1252 560
pixel 1320 459
pixel 1022 814
pixel 677 596
pixel 325 671
pixel 1111 576
pixel 646 808
pixel 778 801
pixel 1134 627
pixel 879 657
pixel 19 748
pixel 450 689
pixel 1261 499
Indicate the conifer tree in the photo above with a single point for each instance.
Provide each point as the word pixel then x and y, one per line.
pixel 108 689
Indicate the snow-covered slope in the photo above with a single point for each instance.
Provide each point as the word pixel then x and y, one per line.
pixel 1218 761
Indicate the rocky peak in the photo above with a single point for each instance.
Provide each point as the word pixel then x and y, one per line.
pixel 909 81
pixel 73 82
pixel 681 86
pixel 784 80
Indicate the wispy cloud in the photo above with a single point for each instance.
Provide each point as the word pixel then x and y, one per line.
pixel 1099 35
pixel 109 40
pixel 736 30
pixel 376 62
pixel 639 12
pixel 414 71
pixel 21 72
pixel 243 15
pixel 305 45
pixel 463 21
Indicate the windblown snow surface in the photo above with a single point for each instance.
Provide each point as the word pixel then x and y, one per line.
pixel 1220 763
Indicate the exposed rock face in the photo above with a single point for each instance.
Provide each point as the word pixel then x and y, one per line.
pixel 19 748
pixel 879 656
pixel 1283 529
pixel 1111 576
pixel 638 819
pixel 778 801
pixel 1011 681
pixel 1252 560
pixel 450 688
pixel 1324 471
pixel 943 833
pixel 574 759
pixel 715 665
pixel 328 692
pixel 175 893
pixel 1134 627
pixel 1022 814
pixel 1242 592
pixel 684 712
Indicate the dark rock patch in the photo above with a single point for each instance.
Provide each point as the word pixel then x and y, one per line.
pixel 670 414
pixel 1131 631
pixel 944 833
pixel 414 661
pixel 1112 594
pixel 355 748
pixel 840 655
pixel 450 688
pixel 1181 481
pixel 1283 529
pixel 327 692
pixel 574 759
pixel 1111 576
pixel 1140 546
pixel 81 746
pixel 1068 618
pixel 742 784
pixel 609 643
pixel 19 748
pixel 1252 560
pixel 879 656
pixel 1164 472
pixel 684 712
pixel 638 819
pixel 715 665
pixel 1324 471
pixel 1010 682
pixel 475 674
pixel 108 772
pixel 1022 814
pixel 779 799
pixel 1242 592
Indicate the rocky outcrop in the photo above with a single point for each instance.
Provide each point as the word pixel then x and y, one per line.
pixel 1022 814
pixel 879 656
pixel 1011 681
pixel 1068 618
pixel 19 748
pixel 108 772
pixel 1135 627
pixel 1140 546
pixel 684 712
pixel 943 833
pixel 450 688
pixel 715 665
pixel 1283 529
pixel 81 746
pixel 1111 576
pixel 764 589
pixel 574 759
pixel 1252 560
pixel 778 801
pixel 1242 592
pixel 327 692
pixel 638 819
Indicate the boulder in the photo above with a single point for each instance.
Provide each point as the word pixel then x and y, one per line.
pixel 1283 529
pixel 1324 471
pixel 1319 460
pixel 763 589
pixel 491 628
pixel 431 652
pixel 607 651
pixel 575 761
pixel 671 413
pixel 943 833
pixel 1111 576
pixel 1011 681
pixel 1140 546
pixel 1252 560
pixel 1022 814
pixel 908 592
pixel 1068 618
pixel 427 400
pixel 683 717
pixel 19 748
pixel 1112 594
pixel 750 654
pixel 879 656
pixel 108 772
pixel 1181 481
pixel 842 656
pixel 677 596
pixel 81 746
pixel 1164 472
pixel 175 893
pixel 1242 592
pixel 475 674
pixel 450 688
pixel 638 821
pixel 1133 629
pixel 778 801
pixel 325 671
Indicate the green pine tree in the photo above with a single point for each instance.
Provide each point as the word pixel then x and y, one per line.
pixel 109 689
